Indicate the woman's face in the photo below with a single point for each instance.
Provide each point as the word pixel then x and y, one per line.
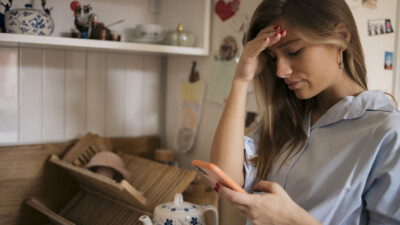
pixel 307 69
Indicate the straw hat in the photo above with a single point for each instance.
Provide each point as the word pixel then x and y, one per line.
pixel 108 159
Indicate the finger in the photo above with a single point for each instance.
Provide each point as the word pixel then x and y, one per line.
pixel 225 193
pixel 269 29
pixel 263 35
pixel 269 187
pixel 265 41
pixel 277 37
pixel 273 37
pixel 237 198
pixel 254 47
pixel 267 32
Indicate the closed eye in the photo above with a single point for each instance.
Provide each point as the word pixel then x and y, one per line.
pixel 292 54
pixel 295 53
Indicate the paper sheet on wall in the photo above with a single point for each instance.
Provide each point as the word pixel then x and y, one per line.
pixel 221 80
pixel 192 95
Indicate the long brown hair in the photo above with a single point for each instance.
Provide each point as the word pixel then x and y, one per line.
pixel 282 124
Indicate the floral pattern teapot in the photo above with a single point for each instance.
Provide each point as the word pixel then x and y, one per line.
pixel 179 212
pixel 28 20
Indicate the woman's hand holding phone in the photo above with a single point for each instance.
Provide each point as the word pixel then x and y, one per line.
pixel 215 175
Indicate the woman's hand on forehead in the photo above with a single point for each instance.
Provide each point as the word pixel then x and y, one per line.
pixel 252 61
pixel 273 32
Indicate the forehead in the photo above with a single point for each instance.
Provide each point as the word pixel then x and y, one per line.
pixel 290 36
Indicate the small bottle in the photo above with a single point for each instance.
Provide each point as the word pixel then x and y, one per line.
pixel 165 156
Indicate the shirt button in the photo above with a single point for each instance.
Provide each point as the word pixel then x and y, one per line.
pixel 288 162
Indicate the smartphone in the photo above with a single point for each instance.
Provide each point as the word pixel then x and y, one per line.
pixel 215 175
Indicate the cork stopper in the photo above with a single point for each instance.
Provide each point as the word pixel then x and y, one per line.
pixel 165 155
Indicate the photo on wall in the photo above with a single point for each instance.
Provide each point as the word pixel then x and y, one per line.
pixel 388 61
pixel 378 27
pixel 388 26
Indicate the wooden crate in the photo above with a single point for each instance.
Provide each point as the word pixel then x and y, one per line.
pixel 102 200
pixel 105 201
pixel 88 207
pixel 26 168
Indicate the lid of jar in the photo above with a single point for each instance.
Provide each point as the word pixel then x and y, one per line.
pixel 178 206
pixel 180 27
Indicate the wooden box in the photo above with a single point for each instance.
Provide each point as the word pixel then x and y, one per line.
pixel 102 200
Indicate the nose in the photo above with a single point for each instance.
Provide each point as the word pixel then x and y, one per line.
pixel 283 68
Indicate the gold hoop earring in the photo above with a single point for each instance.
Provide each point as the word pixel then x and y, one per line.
pixel 340 59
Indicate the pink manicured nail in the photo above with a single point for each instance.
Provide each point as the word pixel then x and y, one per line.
pixel 276 27
pixel 282 32
pixel 276 34
pixel 265 38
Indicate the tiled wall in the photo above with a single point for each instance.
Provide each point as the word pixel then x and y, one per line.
pixel 51 95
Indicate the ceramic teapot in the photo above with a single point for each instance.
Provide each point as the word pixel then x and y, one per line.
pixel 29 21
pixel 180 212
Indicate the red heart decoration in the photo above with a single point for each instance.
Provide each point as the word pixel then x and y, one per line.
pixel 223 10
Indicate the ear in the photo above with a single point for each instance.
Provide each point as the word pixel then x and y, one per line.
pixel 342 31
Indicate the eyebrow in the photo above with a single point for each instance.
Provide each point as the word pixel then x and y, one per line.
pixel 287 43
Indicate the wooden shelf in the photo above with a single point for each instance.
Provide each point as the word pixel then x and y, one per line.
pixel 16 40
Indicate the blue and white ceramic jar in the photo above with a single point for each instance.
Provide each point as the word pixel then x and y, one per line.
pixel 179 212
pixel 29 21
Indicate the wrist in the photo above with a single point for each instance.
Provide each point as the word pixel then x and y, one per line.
pixel 240 82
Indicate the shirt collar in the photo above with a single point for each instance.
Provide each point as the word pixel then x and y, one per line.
pixel 353 107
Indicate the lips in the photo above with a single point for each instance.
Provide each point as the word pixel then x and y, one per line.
pixel 293 85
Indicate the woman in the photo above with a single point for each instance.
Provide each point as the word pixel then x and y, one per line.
pixel 327 149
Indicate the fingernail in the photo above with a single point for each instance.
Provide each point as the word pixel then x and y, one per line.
pixel 215 189
pixel 282 31
pixel 276 27
pixel 265 38
pixel 217 185
pixel 277 34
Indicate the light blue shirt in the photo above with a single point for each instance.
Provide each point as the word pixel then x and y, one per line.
pixel 349 170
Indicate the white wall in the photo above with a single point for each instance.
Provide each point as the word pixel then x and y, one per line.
pixel 375 46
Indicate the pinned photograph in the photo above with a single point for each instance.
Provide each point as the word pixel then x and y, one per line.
pixel 377 27
pixel 388 26
pixel 388 60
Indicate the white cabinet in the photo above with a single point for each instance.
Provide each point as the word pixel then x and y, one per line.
pixel 193 14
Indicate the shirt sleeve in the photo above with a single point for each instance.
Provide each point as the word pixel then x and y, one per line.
pixel 249 169
pixel 383 195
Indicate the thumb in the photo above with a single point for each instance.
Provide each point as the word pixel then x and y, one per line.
pixel 269 187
